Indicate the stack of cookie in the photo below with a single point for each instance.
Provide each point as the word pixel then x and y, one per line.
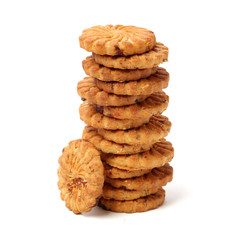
pixel 123 105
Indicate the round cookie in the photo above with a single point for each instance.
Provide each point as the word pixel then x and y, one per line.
pixel 121 194
pixel 117 40
pixel 155 103
pixel 103 73
pixel 91 135
pixel 138 205
pixel 113 172
pixel 158 177
pixel 149 59
pixel 159 154
pixel 81 176
pixel 87 89
pixel 157 128
pixel 144 86
pixel 91 116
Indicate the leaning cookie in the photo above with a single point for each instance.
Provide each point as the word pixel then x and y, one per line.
pixel 92 116
pixel 80 176
pixel 103 73
pixel 138 205
pixel 148 59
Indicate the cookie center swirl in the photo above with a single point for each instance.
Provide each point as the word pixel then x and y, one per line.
pixel 77 183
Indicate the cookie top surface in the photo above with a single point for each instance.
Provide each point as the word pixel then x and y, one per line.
pixel 117 40
pixel 103 73
pixel 81 176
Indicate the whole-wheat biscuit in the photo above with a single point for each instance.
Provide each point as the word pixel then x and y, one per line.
pixel 117 40
pixel 157 178
pixel 159 154
pixel 145 86
pixel 148 59
pixel 87 89
pixel 113 172
pixel 91 116
pixel 121 194
pixel 155 103
pixel 90 134
pixel 131 206
pixel 81 176
pixel 106 74
pixel 157 128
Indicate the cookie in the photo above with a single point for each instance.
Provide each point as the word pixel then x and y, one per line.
pixel 121 194
pixel 87 89
pixel 103 73
pixel 144 86
pixel 117 40
pixel 159 154
pixel 155 103
pixel 138 205
pixel 89 114
pixel 158 177
pixel 81 176
pixel 90 134
pixel 157 128
pixel 149 59
pixel 113 172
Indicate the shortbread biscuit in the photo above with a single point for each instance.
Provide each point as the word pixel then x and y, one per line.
pixel 113 172
pixel 87 89
pixel 122 194
pixel 81 176
pixel 157 178
pixel 117 40
pixel 90 115
pixel 145 86
pixel 159 154
pixel 138 205
pixel 90 134
pixel 149 59
pixel 103 73
pixel 155 103
pixel 157 128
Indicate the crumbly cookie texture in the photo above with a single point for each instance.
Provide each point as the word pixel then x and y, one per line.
pixel 138 205
pixel 90 134
pixel 155 103
pixel 103 73
pixel 148 59
pixel 159 154
pixel 87 89
pixel 157 178
pixel 145 86
pixel 113 172
pixel 157 128
pixel 90 114
pixel 121 194
pixel 117 40
pixel 81 176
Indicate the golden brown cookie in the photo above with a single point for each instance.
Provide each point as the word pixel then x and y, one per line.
pixel 87 89
pixel 117 40
pixel 138 205
pixel 103 73
pixel 91 116
pixel 157 178
pixel 146 86
pixel 90 134
pixel 81 176
pixel 113 172
pixel 159 154
pixel 149 59
pixel 121 194
pixel 157 128
pixel 155 103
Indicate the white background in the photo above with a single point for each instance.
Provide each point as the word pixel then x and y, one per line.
pixel 40 65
